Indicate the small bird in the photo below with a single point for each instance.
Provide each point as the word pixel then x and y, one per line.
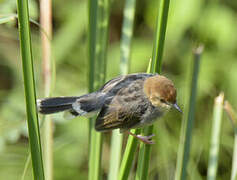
pixel 125 102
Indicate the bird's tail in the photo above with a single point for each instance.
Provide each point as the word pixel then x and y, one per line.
pixel 76 105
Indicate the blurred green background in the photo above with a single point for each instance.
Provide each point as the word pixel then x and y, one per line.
pixel 212 23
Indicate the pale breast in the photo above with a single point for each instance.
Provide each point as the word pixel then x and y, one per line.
pixel 149 117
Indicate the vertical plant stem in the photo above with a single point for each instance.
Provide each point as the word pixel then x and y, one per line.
pixel 234 159
pixel 145 149
pixel 144 157
pixel 115 154
pixel 232 116
pixel 128 156
pixel 187 123
pixel 125 49
pixel 215 137
pixel 92 10
pixel 161 24
pixel 46 24
pixel 95 155
pixel 30 97
pixel 127 34
pixel 98 39
pixel 130 150
pixel 28 159
pixel 162 18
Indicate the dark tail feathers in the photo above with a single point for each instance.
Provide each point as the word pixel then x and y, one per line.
pixel 77 106
pixel 55 104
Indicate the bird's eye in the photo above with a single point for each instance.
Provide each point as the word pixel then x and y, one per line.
pixel 162 100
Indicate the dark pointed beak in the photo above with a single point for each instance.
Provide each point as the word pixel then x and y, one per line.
pixel 177 107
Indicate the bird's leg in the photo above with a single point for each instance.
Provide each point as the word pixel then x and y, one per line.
pixel 144 139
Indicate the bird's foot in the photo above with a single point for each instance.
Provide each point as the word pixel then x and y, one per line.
pixel 144 139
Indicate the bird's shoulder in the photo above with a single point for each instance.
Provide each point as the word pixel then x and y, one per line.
pixel 115 84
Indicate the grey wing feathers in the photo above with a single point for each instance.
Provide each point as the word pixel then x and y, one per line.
pixel 124 110
pixel 111 118
pixel 114 85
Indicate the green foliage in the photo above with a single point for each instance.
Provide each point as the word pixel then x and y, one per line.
pixel 125 54
pixel 215 137
pixel 128 156
pixel 190 22
pixel 29 86
pixel 99 12
pixel 188 120
pixel 155 66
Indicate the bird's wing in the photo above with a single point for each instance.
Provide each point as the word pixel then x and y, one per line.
pixel 114 85
pixel 115 116
pixel 124 110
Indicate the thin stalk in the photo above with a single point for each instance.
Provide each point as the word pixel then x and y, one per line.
pixel 28 159
pixel 130 150
pixel 95 155
pixel 99 36
pixel 127 34
pixel 158 47
pixel 144 157
pixel 115 154
pixel 8 18
pixel 11 17
pixel 145 150
pixel 161 24
pixel 234 159
pixel 46 24
pixel 92 10
pixel 128 156
pixel 232 116
pixel 125 51
pixel 92 14
pixel 188 122
pixel 215 137
pixel 29 85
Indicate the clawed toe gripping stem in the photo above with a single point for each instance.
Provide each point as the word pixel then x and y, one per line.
pixel 144 139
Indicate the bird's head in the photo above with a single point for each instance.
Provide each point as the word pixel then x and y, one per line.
pixel 161 92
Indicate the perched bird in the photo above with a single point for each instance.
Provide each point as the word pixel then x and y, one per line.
pixel 125 102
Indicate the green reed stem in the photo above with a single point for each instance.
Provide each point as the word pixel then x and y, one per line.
pixel 128 156
pixel 234 159
pixel 144 157
pixel 115 154
pixel 127 34
pixel 92 14
pixel 233 117
pixel 7 18
pixel 130 150
pixel 98 38
pixel 125 51
pixel 46 24
pixel 145 149
pixel 158 47
pixel 215 137
pixel 188 122
pixel 30 97
pixel 92 10
pixel 95 155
